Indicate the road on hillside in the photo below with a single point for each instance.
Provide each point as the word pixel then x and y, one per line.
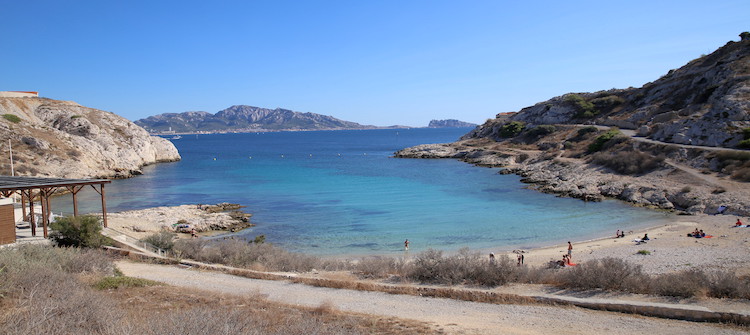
pixel 453 316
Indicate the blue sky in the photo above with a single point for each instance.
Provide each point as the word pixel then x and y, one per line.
pixel 372 62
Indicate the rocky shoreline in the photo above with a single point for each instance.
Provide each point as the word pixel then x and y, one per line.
pixel 678 188
pixel 223 217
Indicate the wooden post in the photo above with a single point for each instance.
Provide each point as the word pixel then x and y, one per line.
pixel 32 215
pixel 23 207
pixel 45 210
pixel 75 190
pixel 104 206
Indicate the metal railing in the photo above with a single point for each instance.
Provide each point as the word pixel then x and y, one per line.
pixel 123 237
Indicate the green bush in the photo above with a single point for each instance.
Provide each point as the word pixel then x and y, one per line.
pixel 511 129
pixel 744 144
pixel 585 109
pixel 602 139
pixel 108 283
pixel 163 240
pixel 12 118
pixel 82 231
pixel 542 130
pixel 644 252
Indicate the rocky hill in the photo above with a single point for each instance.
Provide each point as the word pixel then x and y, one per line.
pixel 706 102
pixel 244 118
pixel 676 143
pixel 66 140
pixel 450 123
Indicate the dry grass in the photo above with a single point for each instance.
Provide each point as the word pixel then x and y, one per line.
pixel 43 294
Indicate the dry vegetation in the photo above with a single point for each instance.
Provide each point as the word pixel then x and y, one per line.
pixel 470 269
pixel 48 290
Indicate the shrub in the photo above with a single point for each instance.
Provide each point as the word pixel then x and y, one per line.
pixel 686 284
pixel 465 267
pixel 628 162
pixel 607 103
pixel 511 129
pixel 82 231
pixel 603 138
pixel 163 240
pixel 377 267
pixel 606 273
pixel 744 144
pixel 241 253
pixel 643 252
pixel 585 130
pixel 585 109
pixel 109 283
pixel 542 130
pixel 12 118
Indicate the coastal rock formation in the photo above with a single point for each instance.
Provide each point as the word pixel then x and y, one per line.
pixel 706 102
pixel 450 123
pixel 244 118
pixel 202 218
pixel 681 146
pixel 64 139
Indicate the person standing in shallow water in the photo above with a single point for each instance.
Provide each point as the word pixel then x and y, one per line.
pixel 406 245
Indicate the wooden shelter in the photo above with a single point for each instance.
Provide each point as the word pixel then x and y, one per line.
pixel 32 189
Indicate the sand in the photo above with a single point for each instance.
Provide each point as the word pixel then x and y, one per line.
pixel 669 248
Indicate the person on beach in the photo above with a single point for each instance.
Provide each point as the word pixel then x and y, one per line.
pixel 645 237
pixel 193 234
pixel 617 234
pixel 520 260
pixel 570 250
pixel 492 258
pixel 406 245
pixel 738 223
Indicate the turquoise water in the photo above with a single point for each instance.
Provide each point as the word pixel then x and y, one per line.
pixel 341 192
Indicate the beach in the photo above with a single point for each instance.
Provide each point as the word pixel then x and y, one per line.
pixel 669 249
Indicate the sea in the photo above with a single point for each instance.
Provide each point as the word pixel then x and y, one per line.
pixel 334 193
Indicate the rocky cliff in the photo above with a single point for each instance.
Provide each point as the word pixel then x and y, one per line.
pixel 450 123
pixel 66 140
pixel 676 143
pixel 244 118
pixel 706 102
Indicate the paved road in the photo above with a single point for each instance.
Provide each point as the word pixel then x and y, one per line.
pixel 455 317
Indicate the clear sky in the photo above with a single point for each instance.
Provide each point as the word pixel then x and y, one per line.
pixel 372 62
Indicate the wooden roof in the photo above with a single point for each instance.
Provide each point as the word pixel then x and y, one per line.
pixel 8 183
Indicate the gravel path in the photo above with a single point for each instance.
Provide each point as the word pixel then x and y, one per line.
pixel 454 317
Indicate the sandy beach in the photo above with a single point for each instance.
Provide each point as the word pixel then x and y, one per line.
pixel 669 249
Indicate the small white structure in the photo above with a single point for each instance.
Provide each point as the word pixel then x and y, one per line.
pixel 19 94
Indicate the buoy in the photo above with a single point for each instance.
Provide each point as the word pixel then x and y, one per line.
pixel 214 158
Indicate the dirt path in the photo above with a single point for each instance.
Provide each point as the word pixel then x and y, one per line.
pixel 454 317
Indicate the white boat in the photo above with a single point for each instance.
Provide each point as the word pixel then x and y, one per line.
pixel 176 137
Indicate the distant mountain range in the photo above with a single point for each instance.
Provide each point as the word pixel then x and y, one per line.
pixel 244 118
pixel 450 123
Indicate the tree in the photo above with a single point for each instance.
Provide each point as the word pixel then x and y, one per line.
pixel 82 231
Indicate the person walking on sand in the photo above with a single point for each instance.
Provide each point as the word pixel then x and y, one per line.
pixel 193 234
pixel 570 250
pixel 406 245
pixel 492 258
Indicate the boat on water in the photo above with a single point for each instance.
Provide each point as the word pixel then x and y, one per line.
pixel 176 137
